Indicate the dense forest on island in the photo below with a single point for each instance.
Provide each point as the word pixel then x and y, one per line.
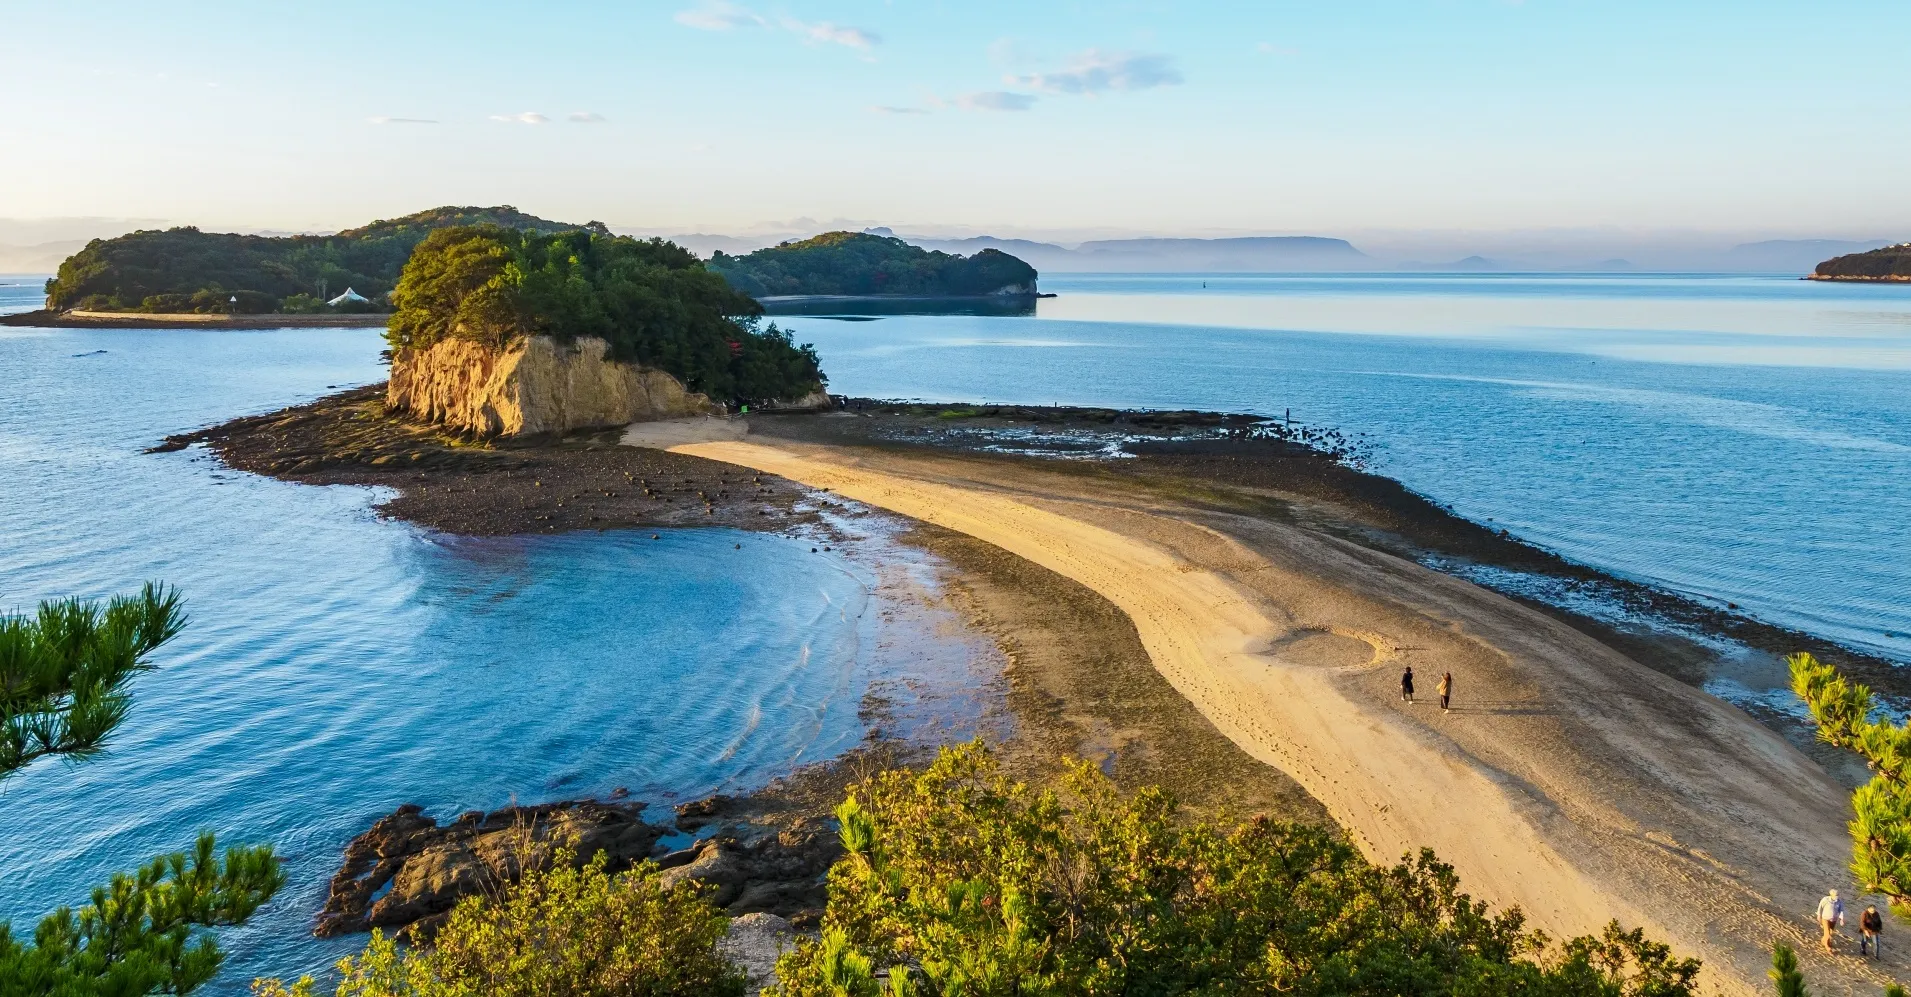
pixel 1890 263
pixel 862 264
pixel 186 270
pixel 653 301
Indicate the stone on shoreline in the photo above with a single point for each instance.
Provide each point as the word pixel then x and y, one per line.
pixel 407 872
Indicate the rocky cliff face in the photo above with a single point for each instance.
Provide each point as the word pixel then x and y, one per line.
pixel 538 386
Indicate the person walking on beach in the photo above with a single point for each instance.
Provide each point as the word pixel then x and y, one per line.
pixel 1446 693
pixel 1871 933
pixel 1831 916
pixel 1406 685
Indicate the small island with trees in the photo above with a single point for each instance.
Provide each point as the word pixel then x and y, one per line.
pixel 652 304
pixel 184 271
pixel 1888 265
pixel 851 264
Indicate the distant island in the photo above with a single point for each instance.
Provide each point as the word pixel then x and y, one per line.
pixel 1891 264
pixel 862 264
pixel 184 270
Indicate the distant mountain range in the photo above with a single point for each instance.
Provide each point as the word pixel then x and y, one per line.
pixel 1789 255
pixel 1261 254
pixel 1313 254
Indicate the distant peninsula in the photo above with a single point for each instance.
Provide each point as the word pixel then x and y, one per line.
pixel 865 265
pixel 1891 264
pixel 186 271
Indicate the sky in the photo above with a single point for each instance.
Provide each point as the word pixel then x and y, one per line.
pixel 1063 120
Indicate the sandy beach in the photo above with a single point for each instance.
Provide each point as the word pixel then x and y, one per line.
pixel 1230 620
pixel 1569 779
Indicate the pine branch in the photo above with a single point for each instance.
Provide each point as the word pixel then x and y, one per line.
pixel 63 671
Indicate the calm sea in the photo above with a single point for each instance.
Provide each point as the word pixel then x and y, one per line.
pixel 338 665
pixel 1740 439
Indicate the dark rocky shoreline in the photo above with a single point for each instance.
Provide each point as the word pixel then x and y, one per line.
pixel 769 851
pixel 407 872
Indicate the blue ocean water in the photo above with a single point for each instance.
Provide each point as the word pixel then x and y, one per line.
pixel 338 665
pixel 1740 439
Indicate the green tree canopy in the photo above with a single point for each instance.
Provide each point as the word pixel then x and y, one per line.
pixel 653 301
pixel 143 933
pixel 1881 827
pixel 862 264
pixel 959 881
pixel 63 676
pixel 63 671
pixel 1786 979
pixel 564 929
pixel 186 270
pixel 1890 262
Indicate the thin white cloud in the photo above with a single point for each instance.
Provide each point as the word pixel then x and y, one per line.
pixel 1096 71
pixel 995 100
pixel 585 117
pixel 527 118
pixel 723 15
pixel 718 15
pixel 385 120
pixel 1269 48
pixel 835 34
pixel 889 109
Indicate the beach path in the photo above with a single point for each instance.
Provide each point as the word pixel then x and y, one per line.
pixel 1569 779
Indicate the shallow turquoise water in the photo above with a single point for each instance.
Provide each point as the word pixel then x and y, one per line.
pixel 1741 439
pixel 338 665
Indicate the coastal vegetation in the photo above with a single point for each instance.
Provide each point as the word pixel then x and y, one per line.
pixel 853 263
pixel 63 676
pixel 562 929
pixel 1890 263
pixel 1881 825
pixel 186 270
pixel 958 882
pixel 653 301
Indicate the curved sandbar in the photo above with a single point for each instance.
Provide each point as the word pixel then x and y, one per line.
pixel 1571 780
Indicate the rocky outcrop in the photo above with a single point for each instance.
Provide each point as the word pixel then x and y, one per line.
pixel 754 942
pixel 539 385
pixel 407 872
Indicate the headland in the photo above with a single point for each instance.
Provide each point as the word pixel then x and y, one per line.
pixel 1228 615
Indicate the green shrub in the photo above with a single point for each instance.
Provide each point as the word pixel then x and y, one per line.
pixel 653 301
pixel 959 881
pixel 565 930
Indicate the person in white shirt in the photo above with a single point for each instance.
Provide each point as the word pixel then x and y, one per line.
pixel 1831 916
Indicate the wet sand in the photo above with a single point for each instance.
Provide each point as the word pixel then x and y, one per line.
pixel 1228 619
pixel 1571 780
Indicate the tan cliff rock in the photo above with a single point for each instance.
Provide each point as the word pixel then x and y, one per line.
pixel 539 385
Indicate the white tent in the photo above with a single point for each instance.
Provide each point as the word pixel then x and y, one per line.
pixel 349 297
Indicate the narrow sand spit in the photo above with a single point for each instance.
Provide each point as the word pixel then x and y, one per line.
pixel 1569 779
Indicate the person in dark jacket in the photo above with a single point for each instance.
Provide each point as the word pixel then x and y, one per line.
pixel 1446 692
pixel 1871 933
pixel 1406 685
